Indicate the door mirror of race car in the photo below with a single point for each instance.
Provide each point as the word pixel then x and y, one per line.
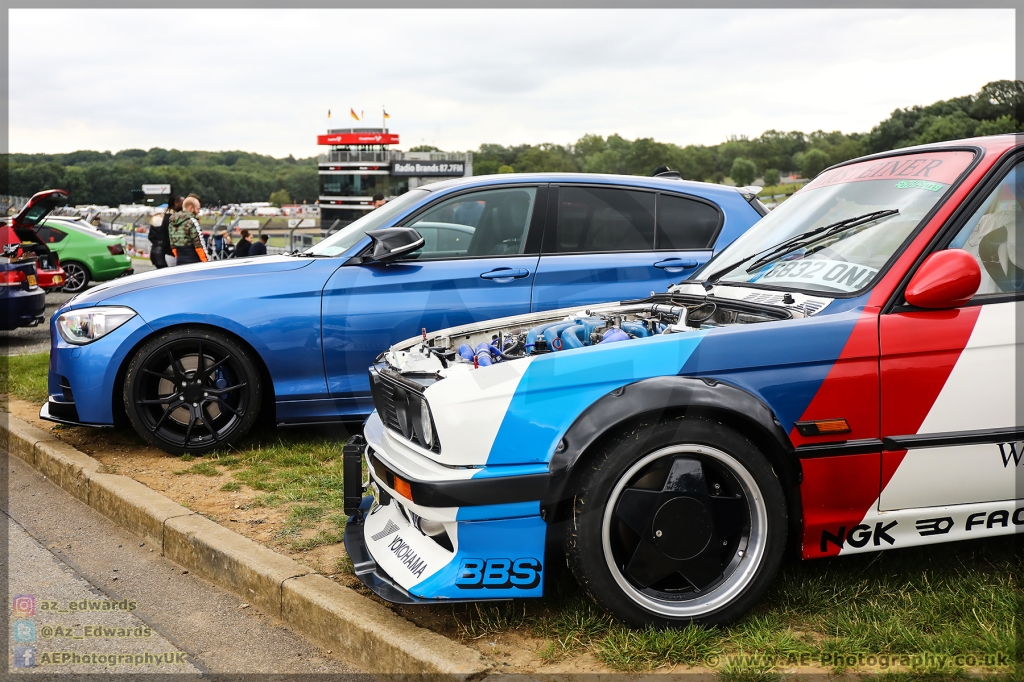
pixel 393 242
pixel 946 279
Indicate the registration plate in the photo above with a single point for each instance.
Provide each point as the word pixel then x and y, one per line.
pixel 58 280
pixel 31 280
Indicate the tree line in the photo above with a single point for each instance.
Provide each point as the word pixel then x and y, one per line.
pixel 997 108
pixel 217 177
pixel 235 177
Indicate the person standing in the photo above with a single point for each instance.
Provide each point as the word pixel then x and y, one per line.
pixel 184 232
pixel 159 235
pixel 378 200
pixel 244 242
pixel 260 248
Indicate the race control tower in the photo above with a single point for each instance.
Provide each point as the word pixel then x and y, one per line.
pixel 360 163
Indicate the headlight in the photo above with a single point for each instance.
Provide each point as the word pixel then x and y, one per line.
pixel 85 325
pixel 425 425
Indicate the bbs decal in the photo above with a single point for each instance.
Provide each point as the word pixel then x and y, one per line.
pixel 498 574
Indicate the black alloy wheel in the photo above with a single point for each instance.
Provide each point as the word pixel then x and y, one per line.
pixel 681 521
pixel 76 277
pixel 192 391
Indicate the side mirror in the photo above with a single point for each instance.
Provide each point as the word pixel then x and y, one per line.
pixel 946 279
pixel 392 242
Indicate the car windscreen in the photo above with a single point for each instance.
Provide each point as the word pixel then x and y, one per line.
pixel 843 227
pixel 343 240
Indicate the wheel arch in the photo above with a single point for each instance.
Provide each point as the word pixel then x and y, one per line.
pixel 664 398
pixel 117 397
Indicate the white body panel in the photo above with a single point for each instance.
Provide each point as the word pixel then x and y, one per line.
pixel 979 395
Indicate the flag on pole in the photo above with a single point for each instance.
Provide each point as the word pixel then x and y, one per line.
pixel 386 114
pixel 354 114
pixel 328 113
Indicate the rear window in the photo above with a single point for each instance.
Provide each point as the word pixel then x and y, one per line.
pixel 597 220
pixel 685 224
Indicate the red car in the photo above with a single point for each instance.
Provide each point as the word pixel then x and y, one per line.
pixel 20 242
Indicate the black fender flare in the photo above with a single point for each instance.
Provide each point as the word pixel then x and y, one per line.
pixel 674 396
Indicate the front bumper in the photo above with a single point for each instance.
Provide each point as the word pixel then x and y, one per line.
pixel 83 379
pixel 367 570
pixel 65 412
pixel 410 551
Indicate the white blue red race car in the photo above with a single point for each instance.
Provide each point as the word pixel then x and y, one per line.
pixel 841 379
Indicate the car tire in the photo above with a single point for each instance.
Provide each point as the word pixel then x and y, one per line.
pixel 76 276
pixel 192 390
pixel 676 522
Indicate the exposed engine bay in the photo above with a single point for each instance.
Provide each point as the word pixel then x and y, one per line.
pixel 486 344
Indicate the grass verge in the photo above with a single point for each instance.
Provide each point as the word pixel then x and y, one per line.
pixel 292 472
pixel 24 376
pixel 914 611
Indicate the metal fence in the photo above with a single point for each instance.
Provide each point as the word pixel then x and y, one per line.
pixel 10 203
pixel 286 235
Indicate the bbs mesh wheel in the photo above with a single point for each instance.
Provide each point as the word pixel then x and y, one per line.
pixel 192 390
pixel 678 522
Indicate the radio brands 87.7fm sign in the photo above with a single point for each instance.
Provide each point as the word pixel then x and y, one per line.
pixel 428 168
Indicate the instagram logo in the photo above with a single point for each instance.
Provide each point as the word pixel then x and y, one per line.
pixel 24 605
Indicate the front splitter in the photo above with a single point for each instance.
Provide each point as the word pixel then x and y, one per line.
pixel 372 575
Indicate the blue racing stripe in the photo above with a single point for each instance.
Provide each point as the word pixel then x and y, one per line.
pixel 557 387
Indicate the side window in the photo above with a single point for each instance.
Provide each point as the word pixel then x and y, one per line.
pixel 54 236
pixel 685 224
pixel 43 232
pixel 992 236
pixel 488 223
pixel 598 220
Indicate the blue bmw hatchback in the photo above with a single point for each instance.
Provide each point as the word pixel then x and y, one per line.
pixel 194 355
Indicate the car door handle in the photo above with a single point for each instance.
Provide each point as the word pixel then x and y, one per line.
pixel 675 263
pixel 506 273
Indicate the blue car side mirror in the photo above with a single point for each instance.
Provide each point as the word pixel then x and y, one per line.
pixel 392 242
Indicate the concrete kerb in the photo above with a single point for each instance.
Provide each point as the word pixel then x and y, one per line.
pixel 21 439
pixel 371 635
pixel 361 631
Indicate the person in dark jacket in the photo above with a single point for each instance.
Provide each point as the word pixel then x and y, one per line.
pixel 159 237
pixel 259 248
pixel 244 244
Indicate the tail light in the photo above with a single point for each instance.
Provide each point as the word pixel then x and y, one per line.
pixel 115 249
pixel 13 278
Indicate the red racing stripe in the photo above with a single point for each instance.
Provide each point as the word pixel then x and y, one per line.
pixel 919 351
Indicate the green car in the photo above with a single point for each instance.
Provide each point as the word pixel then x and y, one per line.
pixel 85 253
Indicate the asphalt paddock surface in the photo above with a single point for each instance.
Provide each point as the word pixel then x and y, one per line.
pixel 80 589
pixel 28 340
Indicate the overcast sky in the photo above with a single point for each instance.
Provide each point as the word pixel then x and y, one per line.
pixel 263 80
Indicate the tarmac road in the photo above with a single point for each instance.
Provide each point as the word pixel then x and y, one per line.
pixel 61 552
pixel 27 340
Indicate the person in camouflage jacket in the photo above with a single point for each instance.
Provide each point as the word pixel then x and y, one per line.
pixel 184 232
